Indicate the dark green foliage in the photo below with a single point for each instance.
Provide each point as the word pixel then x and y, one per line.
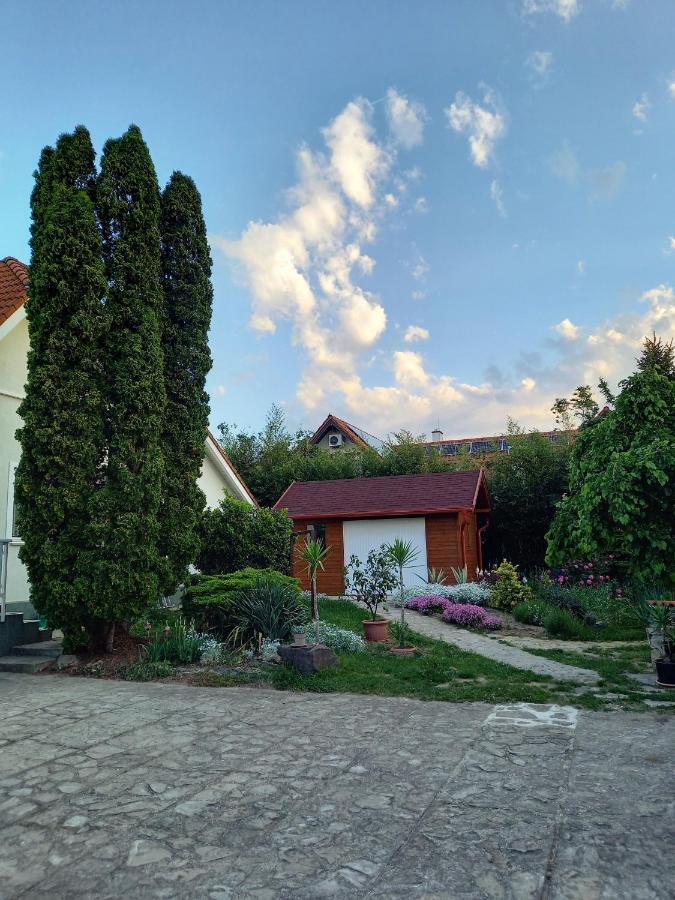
pixel 267 609
pixel 209 600
pixel 530 612
pixel 126 562
pixel 180 645
pixel 525 485
pixel 237 535
pixel 188 295
pixel 274 457
pixel 562 624
pixel 622 477
pixel 63 411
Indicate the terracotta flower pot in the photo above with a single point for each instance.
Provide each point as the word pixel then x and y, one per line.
pixel 376 630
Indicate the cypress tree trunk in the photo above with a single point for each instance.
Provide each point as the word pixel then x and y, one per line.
pixel 63 411
pixel 188 295
pixel 127 504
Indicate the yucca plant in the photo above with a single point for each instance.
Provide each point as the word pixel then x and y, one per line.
pixel 313 553
pixel 461 576
pixel 268 608
pixel 403 554
pixel 434 576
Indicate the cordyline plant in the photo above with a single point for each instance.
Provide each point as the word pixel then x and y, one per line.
pixel 403 555
pixel 371 584
pixel 313 553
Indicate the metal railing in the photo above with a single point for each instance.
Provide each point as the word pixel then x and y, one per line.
pixel 4 563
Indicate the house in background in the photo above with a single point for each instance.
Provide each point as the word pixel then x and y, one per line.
pixel 336 434
pixel 443 515
pixel 218 476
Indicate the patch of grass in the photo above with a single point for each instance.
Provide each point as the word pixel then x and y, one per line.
pixel 438 671
pixel 229 679
pixel 147 670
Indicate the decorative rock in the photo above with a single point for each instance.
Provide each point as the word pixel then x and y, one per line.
pixel 76 822
pixel 308 659
pixel 144 852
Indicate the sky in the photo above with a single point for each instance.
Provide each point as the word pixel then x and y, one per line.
pixel 431 213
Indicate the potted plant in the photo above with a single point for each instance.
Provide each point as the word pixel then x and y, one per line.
pixel 403 555
pixel 663 623
pixel 299 639
pixel 313 553
pixel 370 584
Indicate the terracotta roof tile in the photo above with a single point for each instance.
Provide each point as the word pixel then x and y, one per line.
pixel 13 286
pixel 389 495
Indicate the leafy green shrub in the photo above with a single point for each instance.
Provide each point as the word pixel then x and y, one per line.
pixel 530 612
pixel 209 600
pixel 268 608
pixel 181 645
pixel 237 535
pixel 562 624
pixel 147 670
pixel 509 590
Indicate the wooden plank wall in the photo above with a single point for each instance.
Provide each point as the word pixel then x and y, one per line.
pixel 443 543
pixel 331 580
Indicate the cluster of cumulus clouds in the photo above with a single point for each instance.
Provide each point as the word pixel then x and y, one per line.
pixel 308 270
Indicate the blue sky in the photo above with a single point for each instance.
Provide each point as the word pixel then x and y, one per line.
pixel 420 213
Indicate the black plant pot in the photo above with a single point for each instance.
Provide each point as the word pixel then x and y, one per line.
pixel 665 672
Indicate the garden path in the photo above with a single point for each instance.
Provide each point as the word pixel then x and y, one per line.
pixel 492 649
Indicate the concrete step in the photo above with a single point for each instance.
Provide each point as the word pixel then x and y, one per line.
pixel 52 649
pixel 26 664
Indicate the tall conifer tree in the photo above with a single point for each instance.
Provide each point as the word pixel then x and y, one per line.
pixel 127 505
pixel 63 409
pixel 188 295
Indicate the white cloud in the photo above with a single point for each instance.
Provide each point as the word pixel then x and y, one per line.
pixel 581 266
pixel 498 196
pixel 565 165
pixel 641 108
pixel 671 245
pixel 418 295
pixel 406 119
pixel 409 369
pixel 671 86
pixel 529 384
pixel 484 125
pixel 221 390
pixel 539 63
pixel 567 330
pixel 355 157
pixel 391 200
pixel 415 333
pixel 565 9
pixel 421 206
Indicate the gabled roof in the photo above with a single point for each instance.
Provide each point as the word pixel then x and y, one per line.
pixel 389 495
pixel 13 286
pixel 360 437
pixel 233 478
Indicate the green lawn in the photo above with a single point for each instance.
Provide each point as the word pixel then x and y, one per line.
pixel 438 671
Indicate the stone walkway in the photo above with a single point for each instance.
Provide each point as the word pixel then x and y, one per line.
pixel 117 790
pixel 492 649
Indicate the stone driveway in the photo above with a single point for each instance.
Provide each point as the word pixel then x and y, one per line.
pixel 117 790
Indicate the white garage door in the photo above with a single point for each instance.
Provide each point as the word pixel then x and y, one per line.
pixel 362 536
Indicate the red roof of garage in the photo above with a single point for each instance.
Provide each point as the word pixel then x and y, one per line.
pixel 390 495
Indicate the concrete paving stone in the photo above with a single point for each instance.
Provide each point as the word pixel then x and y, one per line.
pixel 167 791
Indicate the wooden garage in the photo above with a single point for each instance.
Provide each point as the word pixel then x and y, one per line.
pixel 444 516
